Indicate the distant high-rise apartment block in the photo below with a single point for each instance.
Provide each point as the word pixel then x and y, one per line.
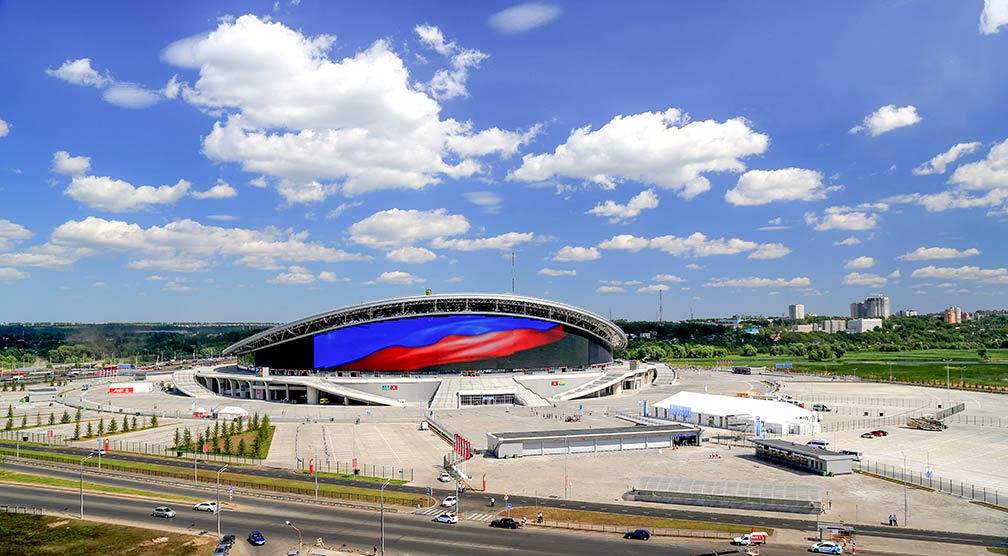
pixel 832 326
pixel 796 311
pixel 876 306
pixel 857 326
pixel 907 313
pixel 955 315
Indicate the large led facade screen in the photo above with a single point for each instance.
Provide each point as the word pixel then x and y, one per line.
pixel 454 342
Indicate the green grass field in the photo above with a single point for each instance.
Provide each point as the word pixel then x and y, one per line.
pixel 971 375
pixel 930 355
pixel 37 534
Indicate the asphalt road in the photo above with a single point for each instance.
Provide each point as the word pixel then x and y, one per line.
pixel 519 500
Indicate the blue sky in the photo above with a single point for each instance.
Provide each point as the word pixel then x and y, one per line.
pixel 261 161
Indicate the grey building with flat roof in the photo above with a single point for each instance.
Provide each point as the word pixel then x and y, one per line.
pixel 817 460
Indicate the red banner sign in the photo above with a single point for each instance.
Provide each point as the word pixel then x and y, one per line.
pixel 120 390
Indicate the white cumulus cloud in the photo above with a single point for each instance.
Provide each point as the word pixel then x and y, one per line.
pixel 931 253
pixel 398 228
pixel 759 187
pixel 859 279
pixel 941 161
pixel 220 191
pixel 319 125
pixel 624 242
pixel 105 193
pixel 4 128
pixel 130 95
pixel 295 275
pixel 888 118
pixel 573 254
pixel 653 288
pixel 698 245
pixel 489 201
pixel 754 282
pixel 63 163
pixel 188 246
pixel 11 233
pixel 523 17
pixel 660 148
pixel 411 255
pixel 860 262
pixel 617 212
pixel 556 272
pixel 988 275
pixel 449 83
pixel 848 241
pixel 667 278
pixel 989 173
pixel 861 217
pixel 502 242
pixel 994 15
pixel 9 275
pixel 398 277
pixel 609 289
pixel 80 72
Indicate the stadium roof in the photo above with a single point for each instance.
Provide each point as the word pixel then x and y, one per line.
pixel 431 305
pixel 710 404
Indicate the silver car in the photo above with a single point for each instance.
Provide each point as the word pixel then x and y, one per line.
pixel 163 511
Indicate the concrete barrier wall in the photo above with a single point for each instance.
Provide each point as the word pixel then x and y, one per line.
pixel 543 384
pixel 413 391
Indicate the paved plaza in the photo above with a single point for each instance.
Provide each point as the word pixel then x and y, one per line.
pixel 389 441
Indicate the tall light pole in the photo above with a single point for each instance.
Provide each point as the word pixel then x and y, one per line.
pixel 948 389
pixel 82 485
pixel 300 544
pixel 218 500
pixel 904 491
pixel 382 491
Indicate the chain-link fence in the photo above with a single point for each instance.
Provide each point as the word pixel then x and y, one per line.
pixel 929 480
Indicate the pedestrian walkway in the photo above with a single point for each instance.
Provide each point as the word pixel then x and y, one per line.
pixel 435 511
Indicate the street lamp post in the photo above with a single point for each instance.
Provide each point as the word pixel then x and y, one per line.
pixel 382 491
pixel 218 500
pixel 82 485
pixel 300 544
pixel 904 491
pixel 948 388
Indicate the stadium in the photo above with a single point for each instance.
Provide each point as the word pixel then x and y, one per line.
pixel 405 351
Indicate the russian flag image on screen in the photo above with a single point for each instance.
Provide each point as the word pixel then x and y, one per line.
pixel 417 343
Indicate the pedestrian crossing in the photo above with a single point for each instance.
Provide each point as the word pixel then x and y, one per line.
pixel 435 511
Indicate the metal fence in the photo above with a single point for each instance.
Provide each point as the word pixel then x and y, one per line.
pixel 656 531
pixel 896 419
pixel 962 489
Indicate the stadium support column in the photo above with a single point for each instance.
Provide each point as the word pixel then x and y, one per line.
pixel 313 395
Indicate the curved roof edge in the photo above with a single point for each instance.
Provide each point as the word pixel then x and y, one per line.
pixel 421 305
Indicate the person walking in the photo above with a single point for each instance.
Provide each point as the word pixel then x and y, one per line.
pixel 492 501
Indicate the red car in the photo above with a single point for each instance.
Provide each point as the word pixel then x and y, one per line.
pixel 879 433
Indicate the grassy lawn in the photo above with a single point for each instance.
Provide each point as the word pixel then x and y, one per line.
pixel 46 535
pixel 599 518
pixel 903 370
pixel 25 478
pixel 932 355
pixel 242 481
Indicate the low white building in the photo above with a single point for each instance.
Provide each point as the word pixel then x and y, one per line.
pixel 857 326
pixel 729 412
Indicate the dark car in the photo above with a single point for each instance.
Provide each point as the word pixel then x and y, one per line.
pixel 228 540
pixel 504 523
pixel 256 538
pixel 639 534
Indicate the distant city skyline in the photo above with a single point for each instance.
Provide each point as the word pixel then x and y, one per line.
pixel 261 161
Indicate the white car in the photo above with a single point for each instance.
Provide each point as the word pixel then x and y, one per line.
pixel 449 501
pixel 444 477
pixel 446 517
pixel 827 547
pixel 206 507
